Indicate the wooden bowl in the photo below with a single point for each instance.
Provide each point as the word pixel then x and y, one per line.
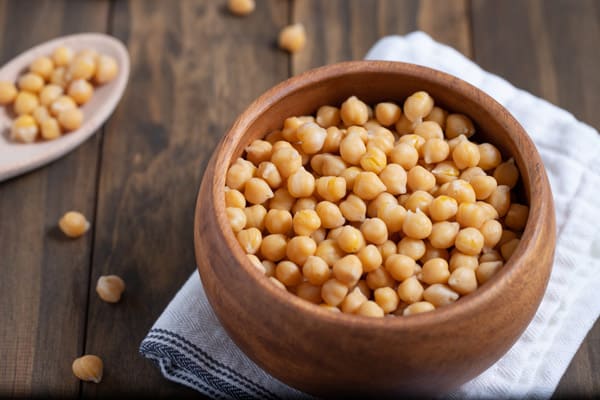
pixel 332 354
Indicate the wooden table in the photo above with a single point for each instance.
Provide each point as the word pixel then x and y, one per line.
pixel 194 68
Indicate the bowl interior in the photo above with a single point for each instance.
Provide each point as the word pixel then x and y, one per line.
pixel 373 82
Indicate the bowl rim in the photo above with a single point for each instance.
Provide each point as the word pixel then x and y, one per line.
pixel 539 194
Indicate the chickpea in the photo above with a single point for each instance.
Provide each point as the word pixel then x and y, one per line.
pixel 387 249
pixel 490 156
pixel 508 248
pixel 419 200
pixel 241 7
pixel 470 215
pixel 370 309
pixel 350 239
pixel 110 288
pixel 43 67
pixel 312 137
pixel 354 112
pixel 492 232
pixel 414 140
pixel 435 271
pixel 299 248
pixel 319 235
pixel 404 155
pixel 507 173
pixel 309 292
pixel 63 103
pixel 418 178
pixel 400 266
pixel 333 165
pixel 40 114
pixel 394 178
pixel 463 280
pixel 300 184
pixel 382 139
pixel 507 236
pixel 414 248
pixel 59 77
pixel 268 172
pixel 465 155
pixel 328 116
pixel 443 234
pixel 329 251
pixel 305 222
pixel 438 115
pixel 332 140
pixel 353 208
pixel 440 295
pixel 273 247
pixel 373 160
pixel 257 191
pixel 292 38
pixel 443 208
pixel 359 131
pixel 500 199
pixel 278 284
pixel 483 186
pixel 459 124
pixel 461 260
pixel 71 119
pixel 250 239
pixel 393 216
pixel 417 106
pixel 486 270
pixel 374 231
pixel 367 185
pixel 73 224
pixel 8 92
pixel 410 290
pixel 282 200
pixel 288 273
pixel 82 67
pixel 516 216
pixel 330 215
pixel 469 241
pixel 259 151
pixel 237 218
pixel 489 255
pixel 62 56
pixel 49 94
pixel 417 308
pixel 471 172
pixel 380 201
pixel 256 217
pixel 333 292
pixel 404 126
pixel 348 269
pixel 435 150
pixel 387 299
pixel 24 129
pixel 379 278
pixel 88 368
pixel 416 225
pixel 370 258
pixel 50 129
pixel 352 148
pixel 490 211
pixel 287 160
pixel 31 82
pixel 106 69
pixel 353 301
pixel 460 190
pixel 429 130
pixel 305 203
pixel 257 263
pixel 432 252
pixel 316 270
pixel 25 103
pixel 80 90
pixel 331 188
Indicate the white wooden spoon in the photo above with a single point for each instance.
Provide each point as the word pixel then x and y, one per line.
pixel 17 158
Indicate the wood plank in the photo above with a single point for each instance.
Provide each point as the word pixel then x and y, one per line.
pixel 44 275
pixel 551 50
pixel 194 68
pixel 340 30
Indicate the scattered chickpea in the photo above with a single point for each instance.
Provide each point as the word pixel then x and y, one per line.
pixel 110 288
pixel 292 38
pixel 241 7
pixel 74 224
pixel 88 368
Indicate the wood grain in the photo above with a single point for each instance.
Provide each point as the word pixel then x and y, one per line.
pixel 554 48
pixel 341 30
pixel 44 280
pixel 194 68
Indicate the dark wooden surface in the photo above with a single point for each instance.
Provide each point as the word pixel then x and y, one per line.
pixel 194 68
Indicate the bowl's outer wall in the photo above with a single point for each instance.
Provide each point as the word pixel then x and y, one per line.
pixel 330 354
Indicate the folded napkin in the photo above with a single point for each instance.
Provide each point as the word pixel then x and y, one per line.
pixel 190 347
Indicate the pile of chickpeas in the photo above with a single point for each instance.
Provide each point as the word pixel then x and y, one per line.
pixel 47 97
pixel 374 212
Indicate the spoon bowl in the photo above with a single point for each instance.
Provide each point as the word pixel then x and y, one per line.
pixel 17 158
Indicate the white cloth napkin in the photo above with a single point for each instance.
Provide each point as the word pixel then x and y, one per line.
pixel 191 348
